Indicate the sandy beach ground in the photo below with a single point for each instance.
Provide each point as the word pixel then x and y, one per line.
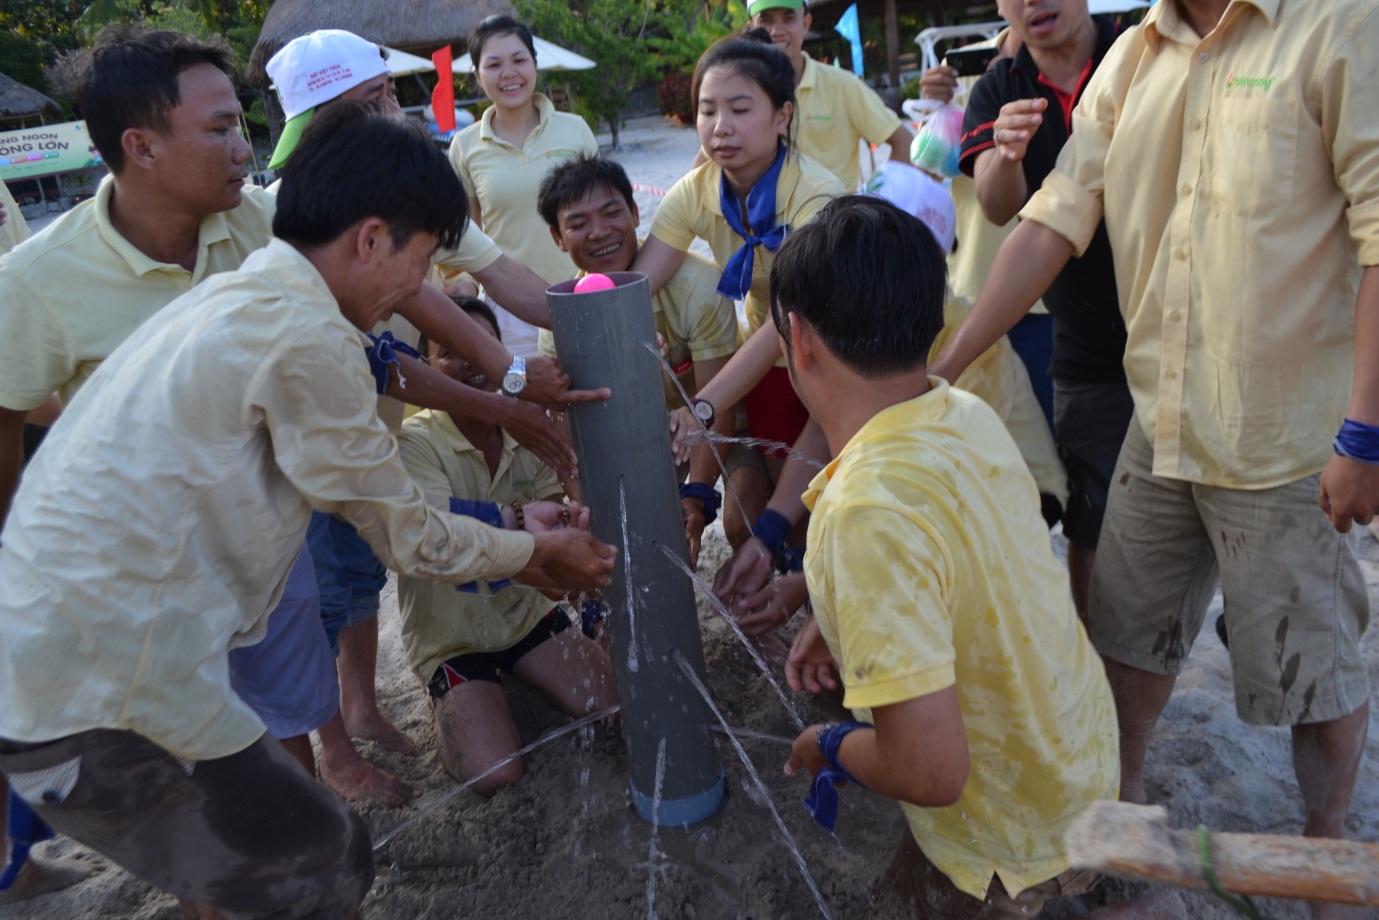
pixel 565 843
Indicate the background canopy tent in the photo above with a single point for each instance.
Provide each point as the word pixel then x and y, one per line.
pixel 548 57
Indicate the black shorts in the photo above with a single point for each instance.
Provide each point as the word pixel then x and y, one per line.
pixel 1089 423
pixel 490 666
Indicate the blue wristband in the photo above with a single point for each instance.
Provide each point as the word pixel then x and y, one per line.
pixel 1358 441
pixel 822 803
pixel 708 497
pixel 488 512
pixel 383 356
pixel 772 529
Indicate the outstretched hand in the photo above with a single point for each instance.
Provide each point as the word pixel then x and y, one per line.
pixel 533 429
pixel 547 515
pixel 810 665
pixel 569 560
pixel 549 385
pixel 772 607
pixel 746 574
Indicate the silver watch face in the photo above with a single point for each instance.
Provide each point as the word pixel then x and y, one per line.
pixel 703 411
pixel 514 382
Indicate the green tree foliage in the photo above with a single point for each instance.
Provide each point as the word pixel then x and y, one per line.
pixel 611 32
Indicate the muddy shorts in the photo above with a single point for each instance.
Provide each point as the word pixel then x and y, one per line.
pixel 250 833
pixel 1089 423
pixel 490 666
pixel 1295 601
pixel 916 889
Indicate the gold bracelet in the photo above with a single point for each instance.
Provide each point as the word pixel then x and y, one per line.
pixel 519 513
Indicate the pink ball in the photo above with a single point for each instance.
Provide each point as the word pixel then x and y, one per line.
pixel 594 282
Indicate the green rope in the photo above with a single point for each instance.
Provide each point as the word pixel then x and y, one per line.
pixel 1242 904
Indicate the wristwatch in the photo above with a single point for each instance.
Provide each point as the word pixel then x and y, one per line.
pixel 703 410
pixel 515 380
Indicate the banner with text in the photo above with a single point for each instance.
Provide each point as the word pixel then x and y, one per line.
pixel 43 151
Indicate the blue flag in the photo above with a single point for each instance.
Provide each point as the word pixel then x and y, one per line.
pixel 849 28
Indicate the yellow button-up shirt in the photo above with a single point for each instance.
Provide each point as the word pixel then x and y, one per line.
pixel 835 111
pixel 173 496
pixel 504 179
pixel 929 567
pixel 440 621
pixel 71 295
pixel 1239 178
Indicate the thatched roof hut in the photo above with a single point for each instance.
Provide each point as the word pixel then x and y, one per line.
pixel 19 101
pixel 415 26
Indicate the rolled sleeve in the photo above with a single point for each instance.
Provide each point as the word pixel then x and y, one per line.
pixel 673 223
pixel 330 443
pixel 34 356
pixel 1352 132
pixel 476 252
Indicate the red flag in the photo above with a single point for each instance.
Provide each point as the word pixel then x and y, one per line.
pixel 443 96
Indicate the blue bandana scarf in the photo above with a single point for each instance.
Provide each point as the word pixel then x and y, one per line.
pixel 761 213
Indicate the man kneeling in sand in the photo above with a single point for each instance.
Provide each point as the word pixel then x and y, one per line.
pixel 938 600
pixel 157 531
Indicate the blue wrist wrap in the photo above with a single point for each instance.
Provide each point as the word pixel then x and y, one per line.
pixel 383 355
pixel 488 512
pixel 1358 441
pixel 708 496
pixel 822 802
pixel 772 529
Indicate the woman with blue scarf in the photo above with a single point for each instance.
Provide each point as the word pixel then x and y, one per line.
pixel 743 202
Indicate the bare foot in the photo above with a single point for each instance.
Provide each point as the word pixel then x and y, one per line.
pixel 373 726
pixel 50 875
pixel 357 780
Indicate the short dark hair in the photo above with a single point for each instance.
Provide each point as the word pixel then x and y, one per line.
pixel 130 81
pixel 493 27
pixel 869 279
pixel 474 307
pixel 354 162
pixel 572 181
pixel 751 55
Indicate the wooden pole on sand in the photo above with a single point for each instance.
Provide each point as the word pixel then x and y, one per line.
pixel 1136 841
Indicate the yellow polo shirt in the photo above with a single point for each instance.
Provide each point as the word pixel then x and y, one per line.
pixel 15 229
pixel 442 621
pixel 697 322
pixel 173 497
pixel 75 292
pixel 691 209
pixel 929 566
pixel 1239 177
pixel 505 179
pixel 834 110
pixel 999 378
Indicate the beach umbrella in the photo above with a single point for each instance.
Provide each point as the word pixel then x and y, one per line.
pixel 413 26
pixel 549 56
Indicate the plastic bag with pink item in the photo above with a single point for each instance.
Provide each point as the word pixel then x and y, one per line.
pixel 936 146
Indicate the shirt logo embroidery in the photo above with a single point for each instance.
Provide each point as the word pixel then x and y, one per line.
pixel 819 117
pixel 1232 81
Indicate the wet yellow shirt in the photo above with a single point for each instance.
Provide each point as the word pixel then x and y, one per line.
pixel 834 111
pixel 1239 177
pixel 442 621
pixel 504 179
pixel 929 566
pixel 692 209
pixel 697 322
pixel 173 497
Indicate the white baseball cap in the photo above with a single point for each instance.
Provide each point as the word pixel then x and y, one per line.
pixel 314 69
pixel 916 192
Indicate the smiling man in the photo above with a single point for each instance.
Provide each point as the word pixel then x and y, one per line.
pixel 158 532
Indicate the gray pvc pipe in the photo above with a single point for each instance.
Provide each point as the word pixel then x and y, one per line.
pixel 624 447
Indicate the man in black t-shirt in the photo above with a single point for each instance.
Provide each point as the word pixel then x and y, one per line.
pixel 1018 119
